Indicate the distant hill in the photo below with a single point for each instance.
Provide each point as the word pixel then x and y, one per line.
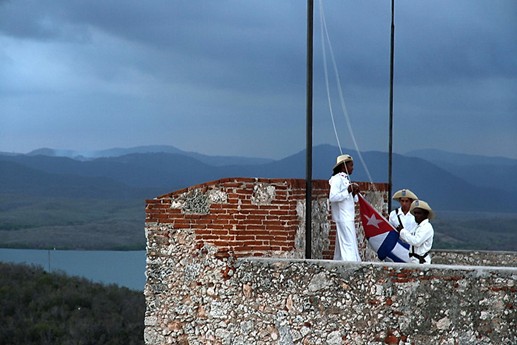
pixel 441 184
pixel 445 157
pixel 492 172
pixel 117 152
pixel 20 179
pixel 99 203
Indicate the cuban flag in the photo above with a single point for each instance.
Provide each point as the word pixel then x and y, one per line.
pixel 381 235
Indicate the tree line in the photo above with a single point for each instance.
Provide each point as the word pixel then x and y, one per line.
pixel 53 308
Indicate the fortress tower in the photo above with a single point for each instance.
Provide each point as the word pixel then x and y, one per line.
pixel 225 266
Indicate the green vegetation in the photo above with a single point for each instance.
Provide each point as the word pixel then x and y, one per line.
pixel 19 212
pixel 52 308
pixel 118 224
pixel 63 223
pixel 475 231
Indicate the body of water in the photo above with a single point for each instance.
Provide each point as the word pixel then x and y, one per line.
pixel 124 268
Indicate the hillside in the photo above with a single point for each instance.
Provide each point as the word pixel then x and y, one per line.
pixel 52 308
pixel 145 175
pixel 48 200
pixel 495 172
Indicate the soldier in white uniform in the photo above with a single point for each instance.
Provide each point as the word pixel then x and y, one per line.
pixel 401 217
pixel 421 240
pixel 342 197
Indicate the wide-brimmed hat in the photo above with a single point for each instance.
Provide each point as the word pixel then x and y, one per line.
pixel 342 159
pixel 423 205
pixel 404 193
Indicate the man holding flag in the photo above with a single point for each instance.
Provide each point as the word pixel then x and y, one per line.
pixel 382 236
pixel 421 239
pixel 342 197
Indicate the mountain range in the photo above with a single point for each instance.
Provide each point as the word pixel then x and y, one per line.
pixel 448 181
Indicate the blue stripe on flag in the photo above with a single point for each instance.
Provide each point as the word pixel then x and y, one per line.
pixel 403 244
pixel 388 244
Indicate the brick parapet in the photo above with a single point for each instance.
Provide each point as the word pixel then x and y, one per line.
pixel 257 217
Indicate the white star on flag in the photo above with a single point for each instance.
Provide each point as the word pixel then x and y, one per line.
pixel 372 220
pixel 382 236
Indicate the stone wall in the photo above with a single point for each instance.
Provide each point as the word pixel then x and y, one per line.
pixel 475 258
pixel 195 297
pixel 213 290
pixel 258 217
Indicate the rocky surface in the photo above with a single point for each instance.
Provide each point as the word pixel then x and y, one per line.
pixel 195 296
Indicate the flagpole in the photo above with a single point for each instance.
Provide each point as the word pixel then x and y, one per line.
pixel 308 168
pixel 390 154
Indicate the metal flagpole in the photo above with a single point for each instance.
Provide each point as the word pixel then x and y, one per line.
pixel 390 167
pixel 308 168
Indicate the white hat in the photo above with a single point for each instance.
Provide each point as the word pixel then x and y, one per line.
pixel 404 193
pixel 342 159
pixel 422 205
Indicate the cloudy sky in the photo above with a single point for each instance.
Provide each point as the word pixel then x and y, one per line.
pixel 228 77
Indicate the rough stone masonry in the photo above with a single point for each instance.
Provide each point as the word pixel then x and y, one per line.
pixel 232 287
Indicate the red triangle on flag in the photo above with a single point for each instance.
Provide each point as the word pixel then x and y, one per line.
pixel 373 222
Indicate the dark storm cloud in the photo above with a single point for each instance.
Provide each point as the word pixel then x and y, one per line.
pixel 456 40
pixel 232 71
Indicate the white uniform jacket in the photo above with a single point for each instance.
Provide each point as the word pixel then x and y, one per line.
pixel 342 202
pixel 408 220
pixel 421 241
pixel 343 213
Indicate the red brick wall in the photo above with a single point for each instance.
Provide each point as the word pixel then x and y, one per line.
pixel 244 216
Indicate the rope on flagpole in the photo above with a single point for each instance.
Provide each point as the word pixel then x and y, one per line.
pixel 325 40
pixel 323 28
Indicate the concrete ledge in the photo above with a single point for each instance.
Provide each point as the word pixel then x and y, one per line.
pixel 394 265
pixel 475 257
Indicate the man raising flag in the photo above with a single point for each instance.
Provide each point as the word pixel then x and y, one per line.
pixel 381 235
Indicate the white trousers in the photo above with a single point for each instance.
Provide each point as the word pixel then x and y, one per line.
pixel 346 242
